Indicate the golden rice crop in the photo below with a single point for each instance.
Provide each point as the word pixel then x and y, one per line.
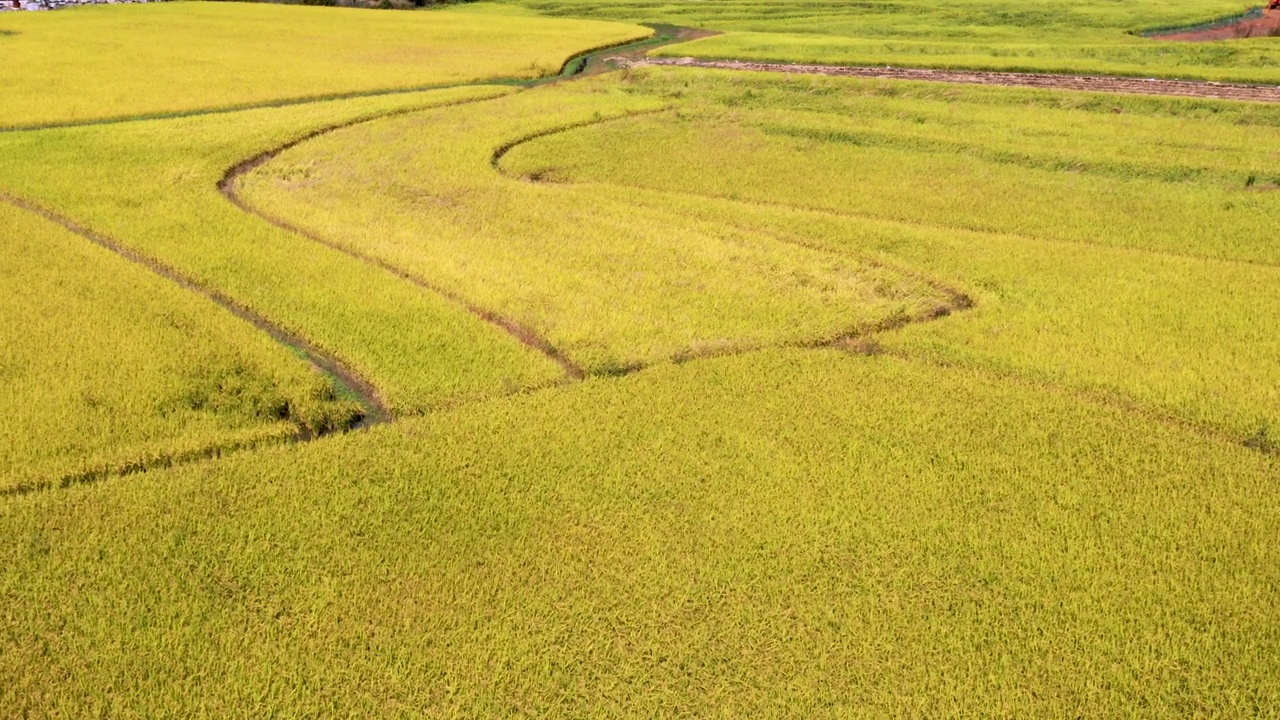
pixel 113 61
pixel 152 186
pixel 608 284
pixel 1145 272
pixel 798 533
pixel 1058 502
pixel 107 365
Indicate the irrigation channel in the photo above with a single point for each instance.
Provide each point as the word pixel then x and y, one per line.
pixel 592 62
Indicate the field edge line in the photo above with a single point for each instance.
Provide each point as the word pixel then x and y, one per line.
pixel 228 187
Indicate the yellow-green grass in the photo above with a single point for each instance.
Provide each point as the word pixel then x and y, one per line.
pixel 1080 36
pixel 152 186
pixel 783 534
pixel 1142 266
pixel 611 284
pixel 107 365
pixel 106 62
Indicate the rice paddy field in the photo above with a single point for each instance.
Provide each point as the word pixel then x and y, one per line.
pixel 1070 36
pixel 358 366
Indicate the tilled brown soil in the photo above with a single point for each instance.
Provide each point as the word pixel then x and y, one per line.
pixel 1266 26
pixel 1087 83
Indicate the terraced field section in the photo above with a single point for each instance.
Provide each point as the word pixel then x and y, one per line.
pixel 845 207
pixel 685 392
pixel 153 187
pixel 111 367
pixel 1073 36
pixel 173 58
pixel 612 284
pixel 787 533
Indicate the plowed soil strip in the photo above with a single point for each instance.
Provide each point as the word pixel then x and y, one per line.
pixel 1085 83
pixel 1258 27
pixel 375 411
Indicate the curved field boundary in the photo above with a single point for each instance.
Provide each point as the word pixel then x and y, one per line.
pixel 956 299
pixel 375 410
pixel 587 62
pixel 1084 83
pixel 861 341
pixel 525 335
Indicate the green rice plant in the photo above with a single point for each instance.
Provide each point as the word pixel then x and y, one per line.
pixel 1124 253
pixel 611 286
pixel 108 366
pixel 106 62
pixel 152 186
pixel 787 533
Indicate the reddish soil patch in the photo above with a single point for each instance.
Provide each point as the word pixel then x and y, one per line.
pixel 1087 83
pixel 1266 26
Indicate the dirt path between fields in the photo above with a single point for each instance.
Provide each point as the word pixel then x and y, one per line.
pixel 1085 83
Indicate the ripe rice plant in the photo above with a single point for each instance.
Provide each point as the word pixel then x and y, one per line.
pixel 105 62
pixel 153 187
pixel 1122 252
pixel 109 366
pixel 612 287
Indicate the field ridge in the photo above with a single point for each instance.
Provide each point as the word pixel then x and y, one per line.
pixel 347 380
pixel 1056 81
pixel 525 335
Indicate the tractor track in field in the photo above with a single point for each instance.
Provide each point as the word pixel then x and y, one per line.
pixel 375 409
pixel 1046 81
